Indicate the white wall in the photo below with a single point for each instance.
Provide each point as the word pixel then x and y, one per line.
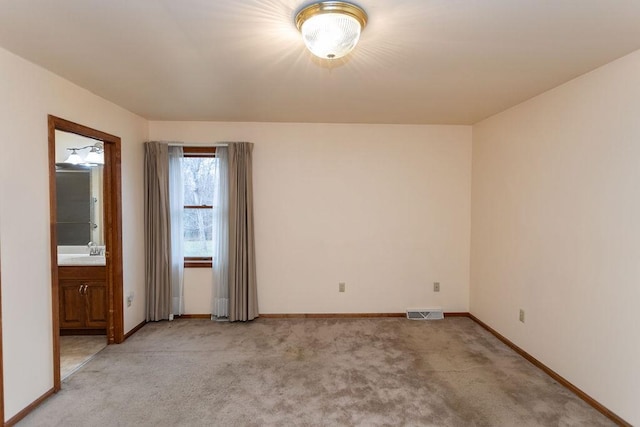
pixel 28 94
pixel 198 292
pixel 383 208
pixel 556 230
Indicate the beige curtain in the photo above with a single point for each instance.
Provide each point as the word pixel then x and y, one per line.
pixel 157 231
pixel 243 291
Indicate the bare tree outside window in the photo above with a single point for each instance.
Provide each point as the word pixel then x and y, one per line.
pixel 198 174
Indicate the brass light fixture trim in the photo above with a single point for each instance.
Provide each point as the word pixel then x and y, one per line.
pixel 341 7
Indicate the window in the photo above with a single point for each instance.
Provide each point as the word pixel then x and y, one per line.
pixel 198 177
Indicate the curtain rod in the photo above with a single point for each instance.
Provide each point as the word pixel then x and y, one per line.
pixel 191 144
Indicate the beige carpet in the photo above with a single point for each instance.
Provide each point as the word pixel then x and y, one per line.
pixel 308 372
pixel 76 350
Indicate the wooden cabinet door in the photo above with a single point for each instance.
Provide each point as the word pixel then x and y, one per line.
pixel 83 298
pixel 96 305
pixel 72 306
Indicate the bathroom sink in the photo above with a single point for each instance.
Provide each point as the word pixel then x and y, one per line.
pixel 81 259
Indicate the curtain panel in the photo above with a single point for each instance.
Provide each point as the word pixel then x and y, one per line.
pixel 163 272
pixel 156 227
pixel 176 211
pixel 243 291
pixel 220 262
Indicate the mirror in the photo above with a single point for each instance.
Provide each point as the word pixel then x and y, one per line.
pixel 79 192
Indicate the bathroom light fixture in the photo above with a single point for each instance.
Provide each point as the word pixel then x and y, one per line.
pixel 94 157
pixel 74 158
pixel 331 29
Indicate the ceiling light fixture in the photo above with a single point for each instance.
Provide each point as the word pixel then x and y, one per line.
pixel 331 29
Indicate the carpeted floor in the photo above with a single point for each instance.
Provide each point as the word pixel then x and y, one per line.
pixel 311 372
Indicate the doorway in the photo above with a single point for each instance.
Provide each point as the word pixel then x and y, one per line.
pixel 86 235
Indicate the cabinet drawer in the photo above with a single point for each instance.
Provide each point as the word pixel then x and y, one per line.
pixel 82 273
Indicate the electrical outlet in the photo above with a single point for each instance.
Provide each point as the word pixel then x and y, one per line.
pixel 341 287
pixel 436 286
pixel 521 315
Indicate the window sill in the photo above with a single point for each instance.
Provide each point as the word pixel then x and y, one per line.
pixel 198 264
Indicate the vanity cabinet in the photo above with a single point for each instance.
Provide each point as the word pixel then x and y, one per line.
pixel 83 299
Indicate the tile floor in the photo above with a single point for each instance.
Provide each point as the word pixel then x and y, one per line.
pixel 76 350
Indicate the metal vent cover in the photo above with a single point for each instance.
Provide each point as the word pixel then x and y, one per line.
pixel 425 314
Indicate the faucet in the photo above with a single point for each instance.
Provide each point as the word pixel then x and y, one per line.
pixel 95 249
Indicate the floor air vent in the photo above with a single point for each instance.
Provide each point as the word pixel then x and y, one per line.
pixel 425 314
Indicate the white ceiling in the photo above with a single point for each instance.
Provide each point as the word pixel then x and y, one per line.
pixel 418 61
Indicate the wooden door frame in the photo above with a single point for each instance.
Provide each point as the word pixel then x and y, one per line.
pixel 1 357
pixel 112 190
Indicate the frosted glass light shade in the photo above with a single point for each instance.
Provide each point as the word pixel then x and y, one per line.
pixel 95 157
pixel 331 29
pixel 331 36
pixel 74 158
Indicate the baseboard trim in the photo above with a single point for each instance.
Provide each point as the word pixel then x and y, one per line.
pixel 581 394
pixel 327 315
pixel 135 329
pixel 20 415
pixel 344 315
pixel 194 316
